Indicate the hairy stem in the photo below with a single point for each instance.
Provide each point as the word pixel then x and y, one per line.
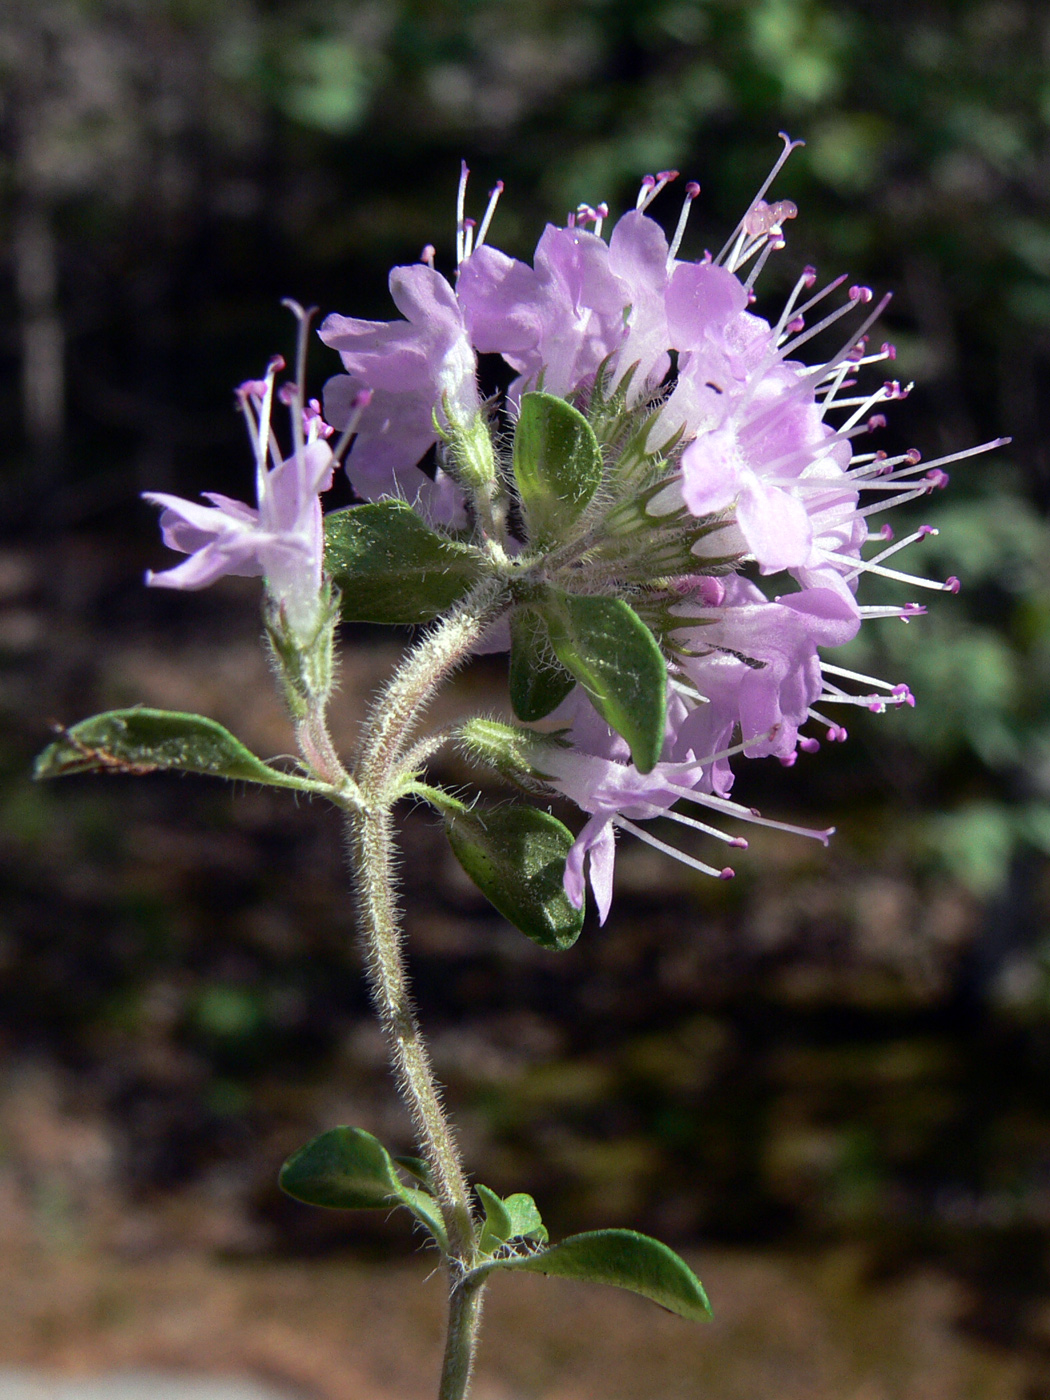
pixel 464 1319
pixel 381 773
pixel 403 701
pixel 372 854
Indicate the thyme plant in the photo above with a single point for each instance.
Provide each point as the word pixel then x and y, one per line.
pixel 661 522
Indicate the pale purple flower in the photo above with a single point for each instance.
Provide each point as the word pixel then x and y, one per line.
pixel 417 369
pixel 280 538
pixel 594 769
pixel 756 664
pixel 584 303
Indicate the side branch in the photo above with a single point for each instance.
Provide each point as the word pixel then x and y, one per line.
pixel 401 703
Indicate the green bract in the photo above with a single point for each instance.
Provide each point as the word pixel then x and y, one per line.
pixel 557 467
pixel 538 680
pixel 391 567
pixel 516 857
pixel 617 660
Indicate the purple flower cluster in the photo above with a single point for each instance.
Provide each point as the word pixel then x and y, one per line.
pixel 749 448
pixel 757 450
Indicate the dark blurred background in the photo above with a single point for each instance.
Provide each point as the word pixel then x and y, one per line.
pixel 840 1049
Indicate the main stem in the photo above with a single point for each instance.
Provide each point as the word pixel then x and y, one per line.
pixel 372 855
pixel 380 773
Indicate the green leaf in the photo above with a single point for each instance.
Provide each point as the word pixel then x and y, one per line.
pixel 557 466
pixel 391 567
pixel 617 660
pixel 415 1166
pixel 516 856
pixel 538 681
pixel 142 741
pixel 626 1260
pixel 515 1218
pixel 343 1169
pixel 427 1212
pixel 525 1219
pixel 349 1169
pixel 498 1227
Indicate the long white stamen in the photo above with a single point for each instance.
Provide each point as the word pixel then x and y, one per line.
pixel 857 676
pixel 905 611
pixel 789 311
pixel 748 814
pixel 789 146
pixel 773 246
pixel 822 371
pixel 667 850
pixel 829 320
pixel 461 211
pixel 708 830
pixel 303 317
pixel 867 566
pixel 490 209
pixel 900 500
pixel 692 189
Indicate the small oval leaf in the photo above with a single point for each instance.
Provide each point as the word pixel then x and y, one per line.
pixel 516 856
pixel 427 1212
pixel 538 680
pixel 515 1218
pixel 349 1169
pixel 617 660
pixel 416 1167
pixel 144 740
pixel 343 1169
pixel 526 1222
pixel 624 1259
pixel 389 566
pixel 498 1227
pixel 557 466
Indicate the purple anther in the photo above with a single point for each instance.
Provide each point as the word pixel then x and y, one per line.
pixel 861 294
pixel 952 584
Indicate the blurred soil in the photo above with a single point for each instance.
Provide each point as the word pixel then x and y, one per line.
pixel 826 1080
pixel 797 1328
